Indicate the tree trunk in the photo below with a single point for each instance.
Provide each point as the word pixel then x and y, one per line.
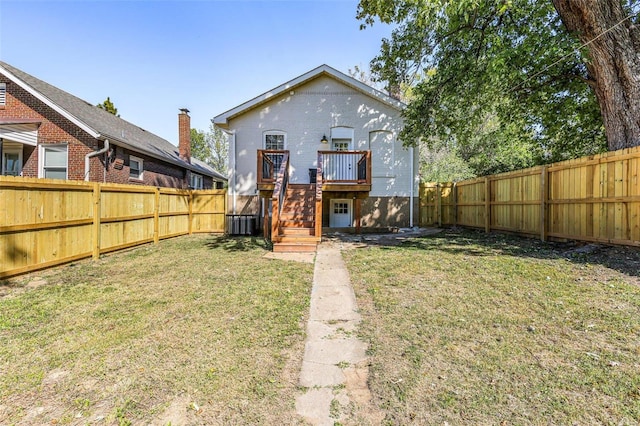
pixel 613 63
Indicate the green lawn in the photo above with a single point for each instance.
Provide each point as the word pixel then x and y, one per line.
pixel 197 329
pixel 464 328
pixel 469 328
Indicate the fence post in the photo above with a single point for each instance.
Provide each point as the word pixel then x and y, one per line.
pixel 156 216
pixel 454 188
pixel 96 221
pixel 487 205
pixel 543 203
pixel 358 212
pixel 190 211
pixel 439 204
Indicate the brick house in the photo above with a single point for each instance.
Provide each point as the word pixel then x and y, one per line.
pixel 46 132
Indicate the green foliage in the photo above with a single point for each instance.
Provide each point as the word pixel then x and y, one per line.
pixel 199 147
pixel 212 147
pixel 443 165
pixel 486 82
pixel 108 106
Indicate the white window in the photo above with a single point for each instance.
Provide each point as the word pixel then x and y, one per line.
pixel 274 140
pixel 195 181
pixel 136 167
pixel 12 159
pixel 53 161
pixel 3 94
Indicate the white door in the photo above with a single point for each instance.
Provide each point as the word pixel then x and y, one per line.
pixel 341 213
pixel 341 167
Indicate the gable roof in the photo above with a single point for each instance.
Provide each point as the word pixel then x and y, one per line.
pixel 102 125
pixel 222 120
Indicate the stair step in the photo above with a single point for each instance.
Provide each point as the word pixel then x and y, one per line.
pixel 294 248
pixel 298 203
pixel 297 230
pixel 297 223
pixel 295 216
pixel 296 239
pixel 297 213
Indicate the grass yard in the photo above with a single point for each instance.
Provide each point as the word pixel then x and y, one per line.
pixel 470 328
pixel 195 330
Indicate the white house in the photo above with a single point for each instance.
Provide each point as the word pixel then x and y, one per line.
pixel 321 127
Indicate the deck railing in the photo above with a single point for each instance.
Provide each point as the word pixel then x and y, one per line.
pixel 269 162
pixel 281 179
pixel 338 167
pixel 350 167
pixel 318 212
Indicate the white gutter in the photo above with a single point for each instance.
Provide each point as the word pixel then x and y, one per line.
pixel 413 182
pixel 87 159
pixel 232 167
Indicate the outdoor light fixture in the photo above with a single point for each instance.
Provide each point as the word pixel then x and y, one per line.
pixel 324 139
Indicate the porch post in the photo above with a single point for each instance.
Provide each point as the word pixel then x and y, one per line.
pixel 358 209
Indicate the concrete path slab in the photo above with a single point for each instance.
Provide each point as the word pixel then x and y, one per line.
pixel 334 367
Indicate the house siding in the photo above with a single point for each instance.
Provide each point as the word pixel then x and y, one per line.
pixel 305 116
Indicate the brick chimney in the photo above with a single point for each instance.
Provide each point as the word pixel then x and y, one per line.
pixel 184 135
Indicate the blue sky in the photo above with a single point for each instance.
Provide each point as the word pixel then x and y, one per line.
pixel 152 57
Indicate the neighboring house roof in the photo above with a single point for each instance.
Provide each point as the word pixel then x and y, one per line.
pixel 103 125
pixel 222 120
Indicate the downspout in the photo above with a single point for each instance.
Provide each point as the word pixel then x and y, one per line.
pixel 87 159
pixel 232 167
pixel 413 182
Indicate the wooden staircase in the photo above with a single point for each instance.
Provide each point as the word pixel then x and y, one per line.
pixel 296 232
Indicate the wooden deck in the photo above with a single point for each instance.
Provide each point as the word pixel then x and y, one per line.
pixel 296 209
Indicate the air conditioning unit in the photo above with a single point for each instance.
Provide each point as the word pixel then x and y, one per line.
pixel 241 224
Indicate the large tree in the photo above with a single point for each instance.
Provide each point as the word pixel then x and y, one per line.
pixel 508 76
pixel 212 147
pixel 609 31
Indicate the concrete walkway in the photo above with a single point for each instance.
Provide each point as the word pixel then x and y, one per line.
pixel 334 369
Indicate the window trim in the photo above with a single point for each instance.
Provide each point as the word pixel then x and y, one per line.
pixel 140 162
pixel 276 133
pixel 42 154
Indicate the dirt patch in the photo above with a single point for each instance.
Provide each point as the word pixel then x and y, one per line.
pixel 181 411
pixel 357 388
pixel 54 377
pixel 292 257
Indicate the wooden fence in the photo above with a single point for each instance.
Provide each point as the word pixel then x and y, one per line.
pixel 46 222
pixel 594 198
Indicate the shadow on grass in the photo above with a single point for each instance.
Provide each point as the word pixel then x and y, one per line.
pixel 237 243
pixel 477 243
